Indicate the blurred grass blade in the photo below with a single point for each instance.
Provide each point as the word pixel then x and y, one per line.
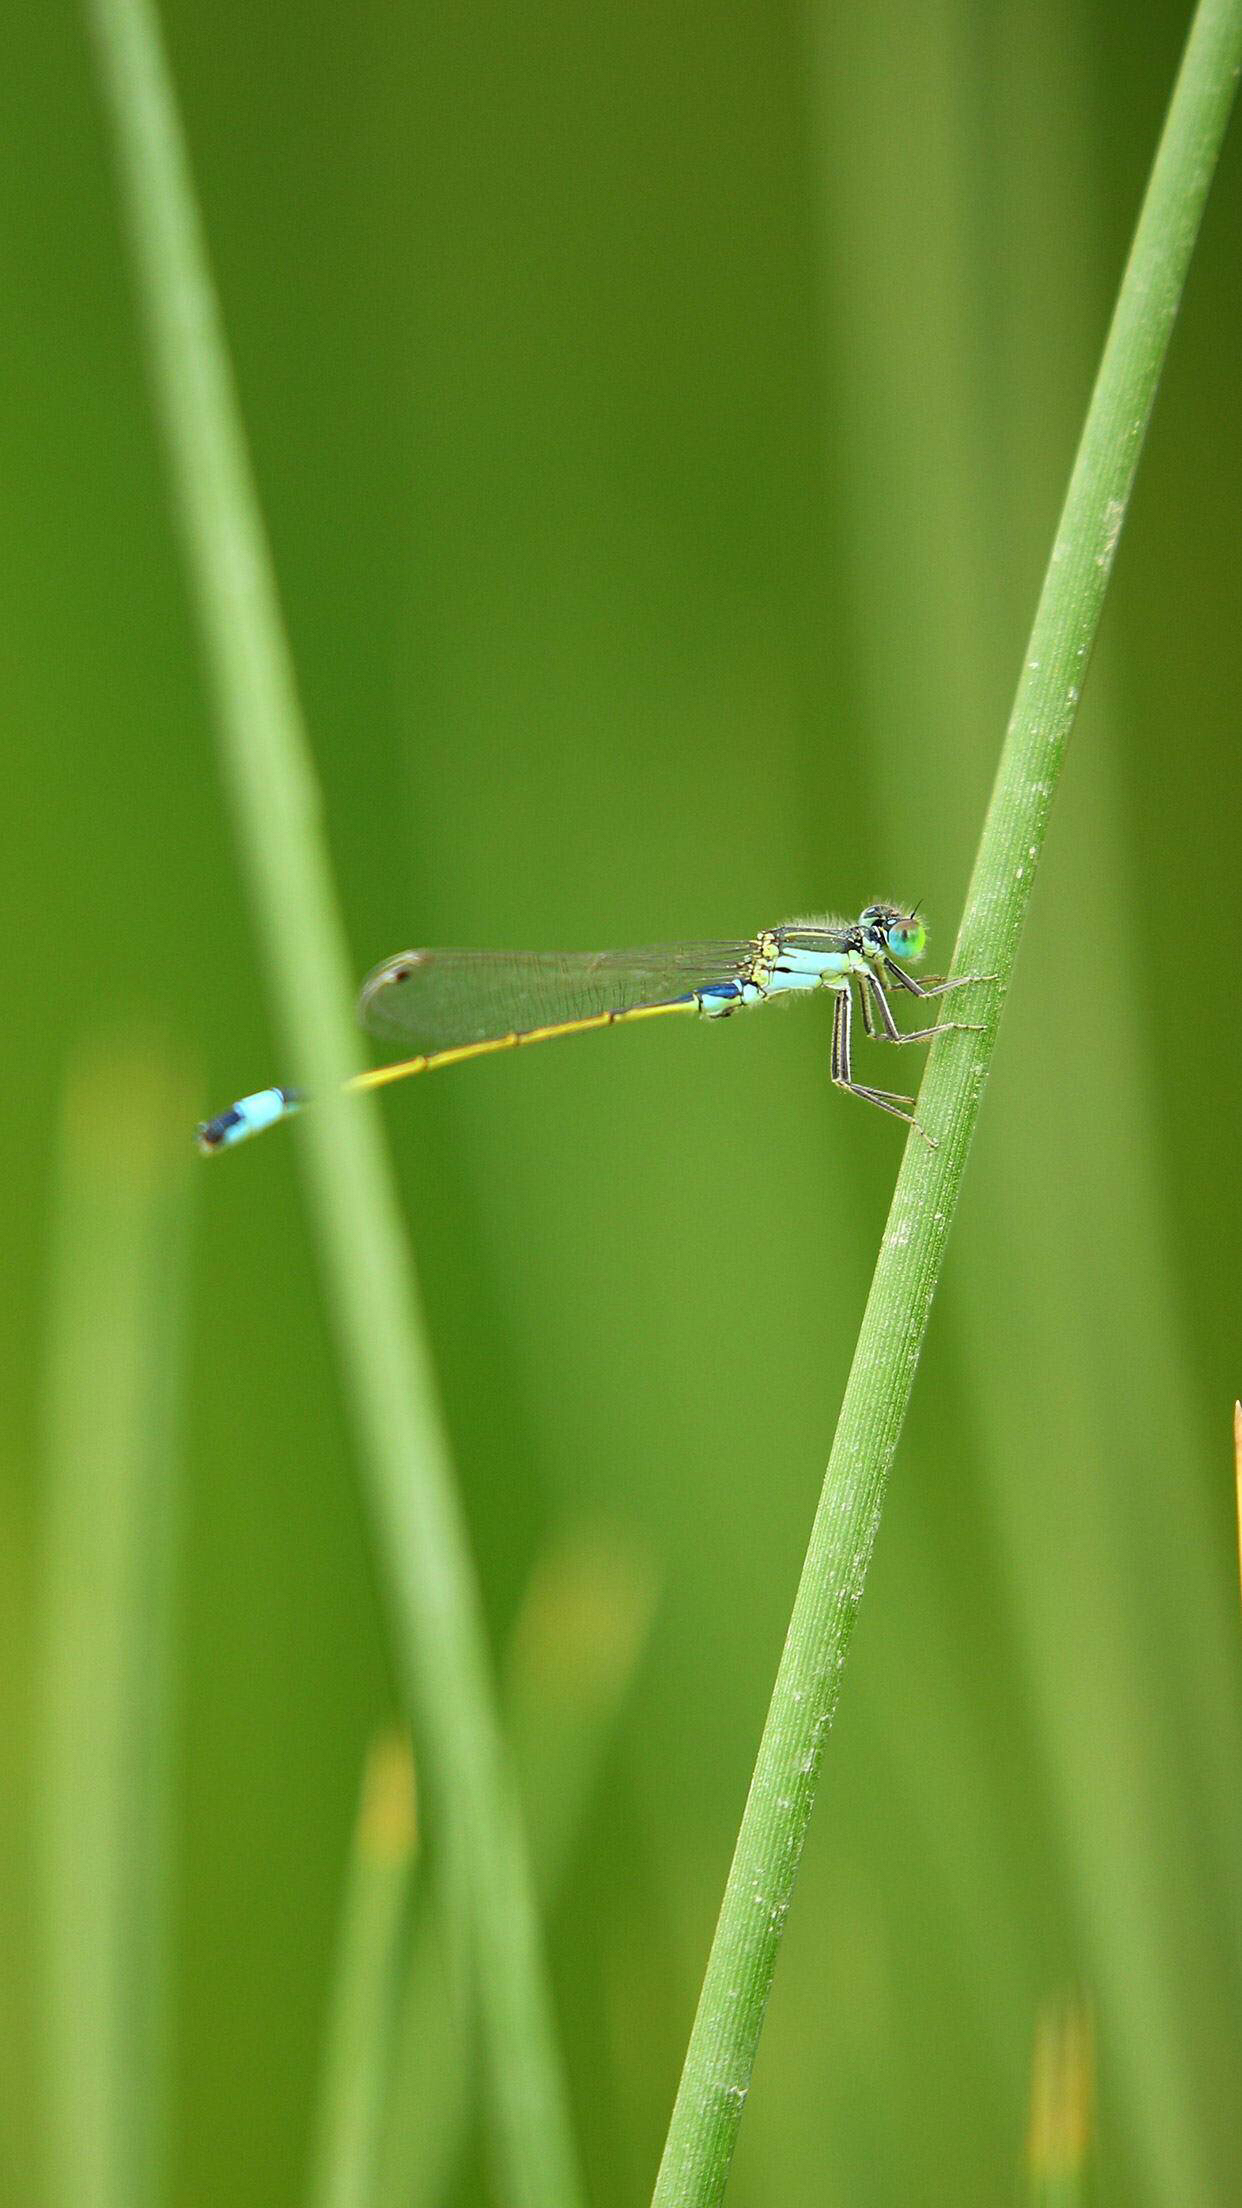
pixel 1062 2104
pixel 572 1655
pixel 415 1513
pixel 359 2056
pixel 1237 1467
pixel 112 1487
pixel 576 1643
pixel 719 2062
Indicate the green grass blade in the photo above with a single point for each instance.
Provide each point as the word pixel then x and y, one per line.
pixel 418 1526
pixel 115 1318
pixel 576 1641
pixel 720 2058
pixel 358 2061
pixel 1062 2107
pixel 1237 1469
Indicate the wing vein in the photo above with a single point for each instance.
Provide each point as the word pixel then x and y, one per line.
pixel 438 999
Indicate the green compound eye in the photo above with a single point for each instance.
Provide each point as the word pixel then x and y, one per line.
pixel 907 939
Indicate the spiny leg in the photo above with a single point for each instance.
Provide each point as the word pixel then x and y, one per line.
pixel 873 1034
pixel 842 1070
pixel 843 1057
pixel 929 988
pixel 871 985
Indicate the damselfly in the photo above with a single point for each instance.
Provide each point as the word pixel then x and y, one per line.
pixel 451 1006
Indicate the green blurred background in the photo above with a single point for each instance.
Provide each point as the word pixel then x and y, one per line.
pixel 661 414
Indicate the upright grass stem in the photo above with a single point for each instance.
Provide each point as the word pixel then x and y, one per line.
pixel 576 1640
pixel 720 2058
pixel 112 1484
pixel 357 2077
pixel 1237 1465
pixel 417 1521
pixel 1059 2132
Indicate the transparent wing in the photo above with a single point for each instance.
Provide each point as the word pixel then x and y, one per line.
pixel 436 1000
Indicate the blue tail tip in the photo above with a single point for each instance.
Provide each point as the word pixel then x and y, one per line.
pixel 249 1116
pixel 217 1133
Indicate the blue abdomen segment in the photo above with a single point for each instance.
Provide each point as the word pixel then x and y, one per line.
pixel 798 967
pixel 249 1116
pixel 795 971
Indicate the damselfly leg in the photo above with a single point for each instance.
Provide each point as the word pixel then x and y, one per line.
pixel 901 1107
pixel 871 986
pixel 929 988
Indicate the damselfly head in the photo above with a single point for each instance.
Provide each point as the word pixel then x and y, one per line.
pixel 888 928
